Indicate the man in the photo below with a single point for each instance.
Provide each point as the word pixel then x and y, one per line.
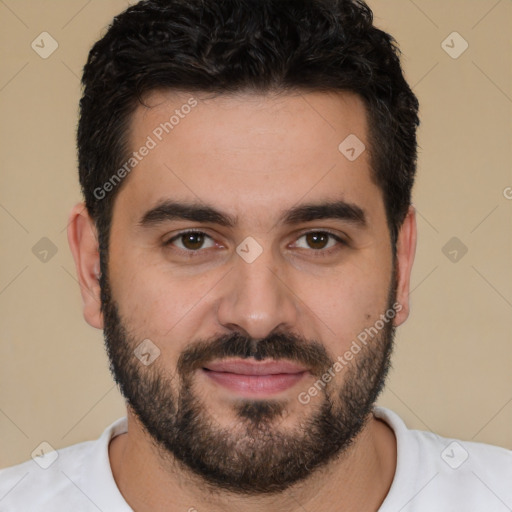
pixel 246 245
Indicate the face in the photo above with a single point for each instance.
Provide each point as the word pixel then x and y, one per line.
pixel 254 256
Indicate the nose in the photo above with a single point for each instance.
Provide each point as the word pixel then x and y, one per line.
pixel 256 299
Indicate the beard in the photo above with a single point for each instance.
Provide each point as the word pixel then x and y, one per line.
pixel 256 457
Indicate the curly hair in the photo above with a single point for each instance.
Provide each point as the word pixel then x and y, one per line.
pixel 231 46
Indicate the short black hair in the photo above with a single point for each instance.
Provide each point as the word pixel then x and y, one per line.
pixel 236 46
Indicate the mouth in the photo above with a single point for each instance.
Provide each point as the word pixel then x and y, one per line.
pixel 255 378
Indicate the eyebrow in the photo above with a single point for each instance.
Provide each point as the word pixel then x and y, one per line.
pixel 169 210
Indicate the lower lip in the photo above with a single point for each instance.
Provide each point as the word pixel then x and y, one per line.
pixel 255 384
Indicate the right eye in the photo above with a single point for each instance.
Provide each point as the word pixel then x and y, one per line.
pixel 190 241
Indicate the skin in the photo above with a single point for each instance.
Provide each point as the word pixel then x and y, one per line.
pixel 252 157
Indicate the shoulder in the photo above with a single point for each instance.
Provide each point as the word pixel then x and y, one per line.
pixel 42 481
pixel 435 472
pixel 65 479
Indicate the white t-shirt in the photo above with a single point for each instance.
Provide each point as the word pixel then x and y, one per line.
pixel 433 474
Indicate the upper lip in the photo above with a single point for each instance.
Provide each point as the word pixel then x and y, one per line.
pixel 244 367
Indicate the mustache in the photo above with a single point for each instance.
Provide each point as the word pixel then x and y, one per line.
pixel 311 354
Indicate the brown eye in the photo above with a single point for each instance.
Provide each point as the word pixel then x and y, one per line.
pixel 318 240
pixel 191 241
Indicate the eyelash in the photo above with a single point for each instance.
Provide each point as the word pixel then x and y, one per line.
pixel 318 252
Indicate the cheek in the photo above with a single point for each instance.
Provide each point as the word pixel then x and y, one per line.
pixel 155 302
pixel 346 304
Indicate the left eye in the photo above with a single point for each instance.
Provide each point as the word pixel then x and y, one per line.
pixel 319 240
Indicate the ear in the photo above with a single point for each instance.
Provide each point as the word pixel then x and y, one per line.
pixel 405 251
pixel 83 242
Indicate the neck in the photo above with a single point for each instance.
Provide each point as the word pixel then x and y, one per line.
pixel 361 478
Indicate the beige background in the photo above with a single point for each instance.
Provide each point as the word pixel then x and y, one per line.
pixel 452 364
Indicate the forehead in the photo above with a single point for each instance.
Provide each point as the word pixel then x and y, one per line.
pixel 253 153
pixel 228 124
